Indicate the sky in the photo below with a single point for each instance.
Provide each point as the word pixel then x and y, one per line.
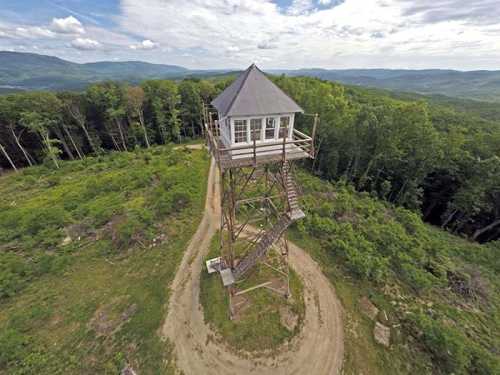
pixel 276 34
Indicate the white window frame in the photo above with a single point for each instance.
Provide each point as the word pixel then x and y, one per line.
pixel 288 135
pixel 261 135
pixel 265 128
pixel 247 130
pixel 263 139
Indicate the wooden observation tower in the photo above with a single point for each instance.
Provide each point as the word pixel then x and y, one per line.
pixel 250 133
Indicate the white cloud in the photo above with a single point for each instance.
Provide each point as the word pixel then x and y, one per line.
pixel 33 32
pixel 68 25
pixel 85 44
pixel 300 7
pixel 324 33
pixel 145 45
pixel 320 33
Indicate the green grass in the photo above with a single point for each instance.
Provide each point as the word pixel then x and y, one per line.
pixel 369 248
pixel 97 303
pixel 259 328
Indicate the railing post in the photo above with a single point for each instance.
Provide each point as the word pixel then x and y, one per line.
pixel 254 151
pixel 316 117
pixel 284 149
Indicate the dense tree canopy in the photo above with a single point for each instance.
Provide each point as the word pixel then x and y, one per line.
pixel 418 154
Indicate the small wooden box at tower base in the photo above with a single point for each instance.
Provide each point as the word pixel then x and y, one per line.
pixel 255 124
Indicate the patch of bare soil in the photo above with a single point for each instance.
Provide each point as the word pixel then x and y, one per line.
pixel 107 321
pixel 288 318
pixel 240 304
pixel 316 350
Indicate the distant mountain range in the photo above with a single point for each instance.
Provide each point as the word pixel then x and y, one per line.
pixel 480 85
pixel 27 71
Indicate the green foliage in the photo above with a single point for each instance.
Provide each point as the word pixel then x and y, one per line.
pixel 410 152
pixel 379 247
pixel 446 344
pixel 52 293
pixel 253 330
pixel 405 149
pixel 114 198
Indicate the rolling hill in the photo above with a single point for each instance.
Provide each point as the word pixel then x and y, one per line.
pixel 28 71
pixel 31 71
pixel 479 85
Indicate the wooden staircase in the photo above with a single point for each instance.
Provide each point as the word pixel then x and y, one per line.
pixel 294 211
pixel 274 233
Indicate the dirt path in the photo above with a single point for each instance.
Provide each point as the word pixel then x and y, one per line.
pixel 317 350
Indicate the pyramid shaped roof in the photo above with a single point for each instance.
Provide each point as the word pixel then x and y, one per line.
pixel 253 94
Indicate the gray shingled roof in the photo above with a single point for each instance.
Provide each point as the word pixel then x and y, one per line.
pixel 252 93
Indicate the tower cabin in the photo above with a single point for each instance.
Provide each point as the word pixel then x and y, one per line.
pixel 256 124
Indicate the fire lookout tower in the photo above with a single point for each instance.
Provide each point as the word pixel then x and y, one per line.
pixel 254 143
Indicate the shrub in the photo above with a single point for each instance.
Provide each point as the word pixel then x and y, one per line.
pixel 13 346
pixel 446 344
pixel 483 362
pixel 13 274
pixel 416 277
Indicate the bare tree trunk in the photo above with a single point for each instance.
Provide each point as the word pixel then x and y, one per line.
pixel 72 141
pixel 448 219
pixel 192 128
pixel 89 140
pixel 364 176
pixel 4 152
pixel 114 141
pixel 18 143
pixel 429 209
pixel 141 121
pixel 401 192
pixel 65 145
pixel 118 123
pixel 479 232
pixel 46 139
pixel 80 119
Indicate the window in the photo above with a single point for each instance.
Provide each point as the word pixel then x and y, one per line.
pixel 270 126
pixel 255 129
pixel 284 126
pixel 240 131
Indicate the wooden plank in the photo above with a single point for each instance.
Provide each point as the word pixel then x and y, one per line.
pixel 253 288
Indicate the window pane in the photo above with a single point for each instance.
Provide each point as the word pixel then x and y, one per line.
pixel 270 126
pixel 240 131
pixel 284 125
pixel 255 129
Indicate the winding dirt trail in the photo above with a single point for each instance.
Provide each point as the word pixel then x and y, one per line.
pixel 317 350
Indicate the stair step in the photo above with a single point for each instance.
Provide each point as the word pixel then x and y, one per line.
pixel 297 214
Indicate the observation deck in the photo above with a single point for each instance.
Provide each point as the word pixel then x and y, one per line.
pixel 297 146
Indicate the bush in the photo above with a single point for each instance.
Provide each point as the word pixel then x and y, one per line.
pixel 131 228
pixel 416 277
pixel 483 362
pixel 446 344
pixel 13 346
pixel 13 274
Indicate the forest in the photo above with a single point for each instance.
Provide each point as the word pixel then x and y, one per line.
pixel 421 154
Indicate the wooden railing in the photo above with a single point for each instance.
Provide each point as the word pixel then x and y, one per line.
pixel 299 146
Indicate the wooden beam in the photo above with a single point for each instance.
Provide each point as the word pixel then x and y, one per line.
pixel 315 125
pixel 253 288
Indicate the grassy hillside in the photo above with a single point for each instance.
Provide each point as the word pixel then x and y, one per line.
pixel 437 292
pixel 86 256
